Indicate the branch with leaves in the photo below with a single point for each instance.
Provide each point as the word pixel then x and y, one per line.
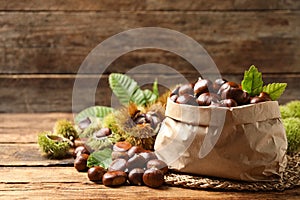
pixel 253 84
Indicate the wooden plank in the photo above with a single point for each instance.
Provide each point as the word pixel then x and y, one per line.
pixel 133 5
pixel 10 175
pixel 20 121
pixel 27 155
pixel 88 190
pixel 58 42
pixel 55 94
pixel 224 5
pixel 26 135
pixel 23 128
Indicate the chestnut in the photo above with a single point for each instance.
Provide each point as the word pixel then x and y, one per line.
pixel 186 89
pixel 187 99
pixel 135 176
pixel 103 132
pixel 244 98
pixel 228 85
pixel 256 99
pixel 80 150
pixel 121 146
pixel 140 119
pixel 114 178
pixel 159 164
pixel 206 98
pixel 218 83
pixel 83 124
pixel 153 177
pixel 135 150
pixel 261 98
pixel 265 96
pixel 96 173
pixel 119 154
pixel 80 162
pixel 148 156
pixel 153 119
pixel 240 96
pixel 175 91
pixel 118 165
pixel 227 103
pixel 80 142
pixel 174 97
pixel 136 161
pixel 201 86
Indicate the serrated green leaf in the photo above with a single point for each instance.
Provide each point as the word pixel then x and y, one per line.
pixel 150 96
pixel 252 82
pixel 155 88
pixel 94 111
pixel 126 89
pixel 123 87
pixel 100 158
pixel 275 90
pixel 138 98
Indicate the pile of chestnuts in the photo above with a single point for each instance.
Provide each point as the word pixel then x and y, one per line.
pixel 221 93
pixel 130 165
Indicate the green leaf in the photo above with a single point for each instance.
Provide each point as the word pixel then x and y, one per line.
pixel 275 90
pixel 155 88
pixel 94 111
pixel 126 89
pixel 100 158
pixel 138 97
pixel 252 82
pixel 149 96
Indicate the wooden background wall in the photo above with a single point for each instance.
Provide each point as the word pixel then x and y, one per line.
pixel 43 43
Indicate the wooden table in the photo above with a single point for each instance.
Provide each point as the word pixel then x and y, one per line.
pixel 25 174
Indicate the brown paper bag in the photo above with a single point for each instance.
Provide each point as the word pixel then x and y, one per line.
pixel 243 143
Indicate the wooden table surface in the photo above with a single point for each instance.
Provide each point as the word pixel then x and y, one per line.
pixel 25 174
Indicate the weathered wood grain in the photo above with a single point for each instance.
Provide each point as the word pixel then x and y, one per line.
pixel 27 155
pixel 133 5
pixel 23 128
pixel 67 181
pixel 88 190
pixel 26 174
pixel 58 42
pixel 34 94
pixel 30 121
pixel 55 36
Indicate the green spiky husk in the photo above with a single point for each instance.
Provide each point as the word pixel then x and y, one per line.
pixel 124 129
pixel 292 128
pixel 95 125
pixel 110 122
pixel 98 144
pixel 53 149
pixel 66 129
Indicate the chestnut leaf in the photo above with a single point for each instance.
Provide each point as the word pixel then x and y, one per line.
pixel 94 111
pixel 252 82
pixel 127 90
pixel 155 88
pixel 274 90
pixel 100 158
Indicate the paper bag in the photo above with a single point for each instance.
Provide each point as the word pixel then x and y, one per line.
pixel 243 143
